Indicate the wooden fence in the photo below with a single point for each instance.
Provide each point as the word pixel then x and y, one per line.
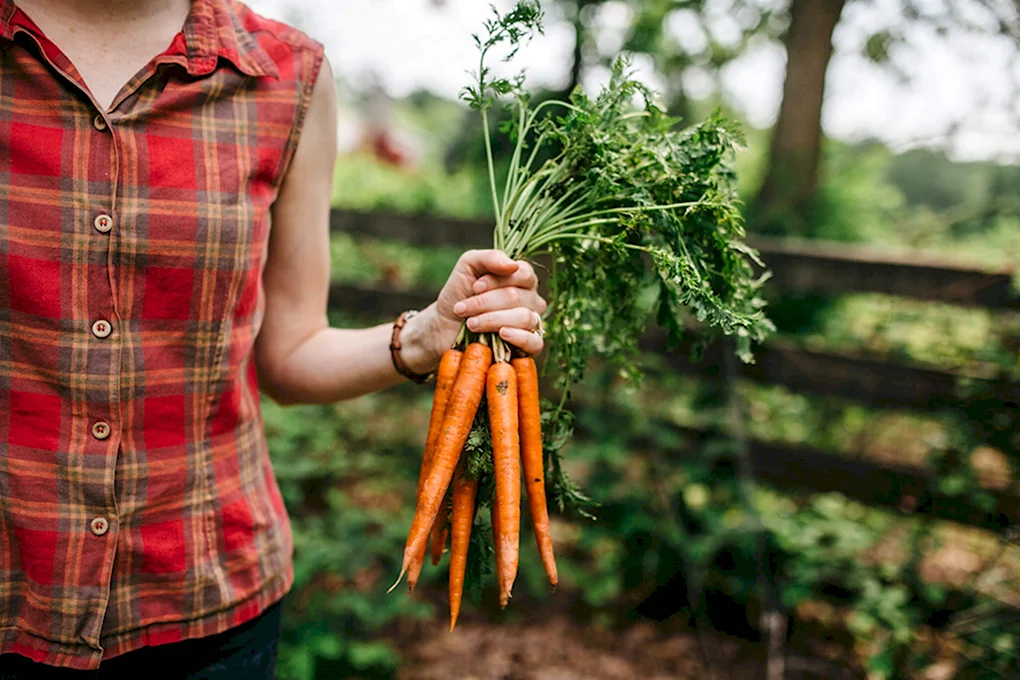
pixel 797 268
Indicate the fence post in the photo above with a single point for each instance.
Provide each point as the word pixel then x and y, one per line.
pixel 772 620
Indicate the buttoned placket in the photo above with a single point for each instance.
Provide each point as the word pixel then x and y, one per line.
pixel 104 426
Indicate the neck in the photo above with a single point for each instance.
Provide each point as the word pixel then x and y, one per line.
pixel 105 11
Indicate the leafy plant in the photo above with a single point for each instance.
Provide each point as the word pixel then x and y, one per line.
pixel 621 188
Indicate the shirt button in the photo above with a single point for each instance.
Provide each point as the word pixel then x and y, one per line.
pixel 100 429
pixel 102 328
pixel 99 122
pixel 103 223
pixel 99 526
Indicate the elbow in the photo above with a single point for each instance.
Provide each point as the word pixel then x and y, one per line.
pixel 273 383
pixel 280 397
pixel 278 393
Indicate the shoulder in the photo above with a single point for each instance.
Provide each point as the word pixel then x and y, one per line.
pixel 274 36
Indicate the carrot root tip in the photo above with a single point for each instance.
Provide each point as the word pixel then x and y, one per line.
pixel 399 579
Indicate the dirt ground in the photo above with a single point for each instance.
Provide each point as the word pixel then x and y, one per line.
pixel 558 648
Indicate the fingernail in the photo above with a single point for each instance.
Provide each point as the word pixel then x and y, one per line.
pixel 459 308
pixel 479 286
pixel 472 323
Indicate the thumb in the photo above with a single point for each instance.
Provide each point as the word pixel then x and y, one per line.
pixel 480 262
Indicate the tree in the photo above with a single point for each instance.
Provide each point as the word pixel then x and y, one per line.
pixel 788 195
pixel 796 148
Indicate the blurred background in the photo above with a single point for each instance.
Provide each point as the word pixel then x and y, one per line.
pixel 843 508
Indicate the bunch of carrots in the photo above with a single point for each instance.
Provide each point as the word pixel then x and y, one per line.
pixel 623 203
pixel 485 368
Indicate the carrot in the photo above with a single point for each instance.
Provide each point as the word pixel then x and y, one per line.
pixel 465 397
pixel 494 521
pixel 501 393
pixel 440 530
pixel 438 538
pixel 446 375
pixel 464 491
pixel 530 417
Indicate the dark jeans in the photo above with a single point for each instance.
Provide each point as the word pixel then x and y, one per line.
pixel 247 652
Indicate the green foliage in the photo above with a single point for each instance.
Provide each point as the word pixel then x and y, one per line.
pixel 343 479
pixel 856 202
pixel 362 183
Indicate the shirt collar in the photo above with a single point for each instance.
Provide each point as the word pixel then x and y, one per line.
pixel 7 9
pixel 212 30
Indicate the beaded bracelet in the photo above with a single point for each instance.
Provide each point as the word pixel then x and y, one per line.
pixel 398 362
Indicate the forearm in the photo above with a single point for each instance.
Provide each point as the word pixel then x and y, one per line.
pixel 334 364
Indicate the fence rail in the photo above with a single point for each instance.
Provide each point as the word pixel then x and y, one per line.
pixel 796 267
pixel 822 269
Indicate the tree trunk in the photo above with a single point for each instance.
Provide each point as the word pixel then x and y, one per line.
pixel 578 62
pixel 784 202
pixel 576 14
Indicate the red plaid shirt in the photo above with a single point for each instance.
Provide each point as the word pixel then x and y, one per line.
pixel 138 505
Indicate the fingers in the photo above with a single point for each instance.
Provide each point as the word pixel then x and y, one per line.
pixel 523 277
pixel 527 341
pixel 481 262
pixel 516 326
pixel 518 317
pixel 506 299
pixel 500 299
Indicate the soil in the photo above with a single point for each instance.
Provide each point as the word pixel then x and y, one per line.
pixel 558 647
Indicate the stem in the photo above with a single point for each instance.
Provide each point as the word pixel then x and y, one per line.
pixel 501 351
pixel 640 208
pixel 563 401
pixel 492 174
pixel 557 229
pixel 513 172
pixel 532 197
pixel 534 152
pixel 582 236
pixel 556 102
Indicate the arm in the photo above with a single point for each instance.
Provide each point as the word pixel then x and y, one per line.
pixel 300 359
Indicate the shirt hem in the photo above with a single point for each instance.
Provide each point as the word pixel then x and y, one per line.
pixel 15 640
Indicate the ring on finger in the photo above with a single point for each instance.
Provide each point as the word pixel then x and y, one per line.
pixel 538 328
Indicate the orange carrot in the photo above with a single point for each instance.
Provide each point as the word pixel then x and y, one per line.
pixel 464 491
pixel 446 375
pixel 465 398
pixel 494 521
pixel 501 394
pixel 530 417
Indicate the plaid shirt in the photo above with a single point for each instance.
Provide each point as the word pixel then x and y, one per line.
pixel 138 505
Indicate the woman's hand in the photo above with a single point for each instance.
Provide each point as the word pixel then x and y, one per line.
pixel 494 293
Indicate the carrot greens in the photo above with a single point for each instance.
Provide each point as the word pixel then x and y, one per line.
pixel 620 197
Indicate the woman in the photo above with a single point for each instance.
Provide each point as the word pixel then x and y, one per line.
pixel 164 248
